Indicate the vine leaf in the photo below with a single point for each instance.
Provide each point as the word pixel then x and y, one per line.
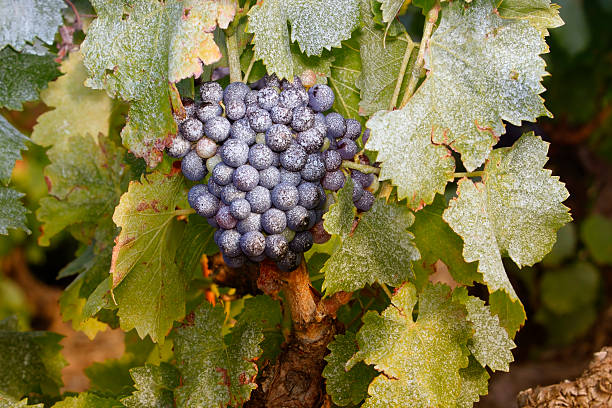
pixel 542 14
pixel 85 178
pixel 143 260
pixel 92 268
pixel 474 383
pixel 315 25
pixel 266 313
pixel 380 249
pixel 390 8
pixel 381 65
pixel 87 399
pixel 199 234
pixel 214 371
pixel 346 387
pixel 516 210
pixel 490 343
pixel 78 109
pixel 24 21
pixel 166 51
pixel 193 42
pixel 12 142
pixel 155 386
pixel 344 73
pixel 12 212
pixel 472 49
pixel 437 241
pixel 510 312
pixel 419 360
pixel 596 233
pixel 7 402
pixel 30 362
pixel 23 75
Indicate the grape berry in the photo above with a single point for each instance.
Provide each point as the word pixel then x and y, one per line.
pixel 271 158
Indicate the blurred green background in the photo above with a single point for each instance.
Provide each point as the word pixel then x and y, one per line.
pixel 567 296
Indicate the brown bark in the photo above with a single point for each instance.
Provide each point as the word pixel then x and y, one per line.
pixel 295 380
pixel 593 389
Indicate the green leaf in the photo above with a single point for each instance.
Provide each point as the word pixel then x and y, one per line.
pixel 155 386
pixel 315 25
pixel 570 289
pixel 148 285
pixel 345 71
pixel 87 400
pixel 171 43
pixel 12 142
pixel 12 212
pixel 215 372
pixel 390 9
pixel 30 362
pixel 23 21
pixel 472 49
pixel 510 312
pixel 199 234
pixel 437 241
pixel 379 250
pixel 7 402
pixel 542 14
pixel 346 387
pixel 341 215
pixel 596 233
pixel 266 313
pixel 92 266
pixel 22 76
pixel 515 211
pixel 268 23
pixel 420 360
pixel 564 248
pixel 474 383
pixel 85 178
pixel 490 343
pixel 78 109
pixel 382 60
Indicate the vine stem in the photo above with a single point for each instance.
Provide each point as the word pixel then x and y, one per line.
pixel 402 72
pixel 364 168
pixel 430 21
pixel 187 211
pixel 385 289
pixel 233 57
pixel 248 71
pixel 469 174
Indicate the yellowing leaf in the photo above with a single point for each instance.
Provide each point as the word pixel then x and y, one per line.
pixel 542 14
pixel 482 69
pixel 134 51
pixel 148 285
pixel 419 360
pixel 516 210
pixel 78 109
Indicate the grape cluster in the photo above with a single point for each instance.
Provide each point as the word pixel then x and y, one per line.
pixel 271 154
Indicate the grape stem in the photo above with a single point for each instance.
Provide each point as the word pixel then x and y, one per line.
pixel 248 71
pixel 233 57
pixel 386 290
pixel 187 211
pixel 469 174
pixel 430 22
pixel 364 168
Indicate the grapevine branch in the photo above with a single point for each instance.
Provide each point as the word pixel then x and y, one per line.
pixel 430 21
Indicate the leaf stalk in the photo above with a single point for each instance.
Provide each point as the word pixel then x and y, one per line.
pixel 469 174
pixel 364 168
pixel 233 58
pixel 430 22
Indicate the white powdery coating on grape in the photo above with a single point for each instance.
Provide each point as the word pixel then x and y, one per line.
pixel 206 148
pixel 274 221
pixel 246 177
pixel 207 111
